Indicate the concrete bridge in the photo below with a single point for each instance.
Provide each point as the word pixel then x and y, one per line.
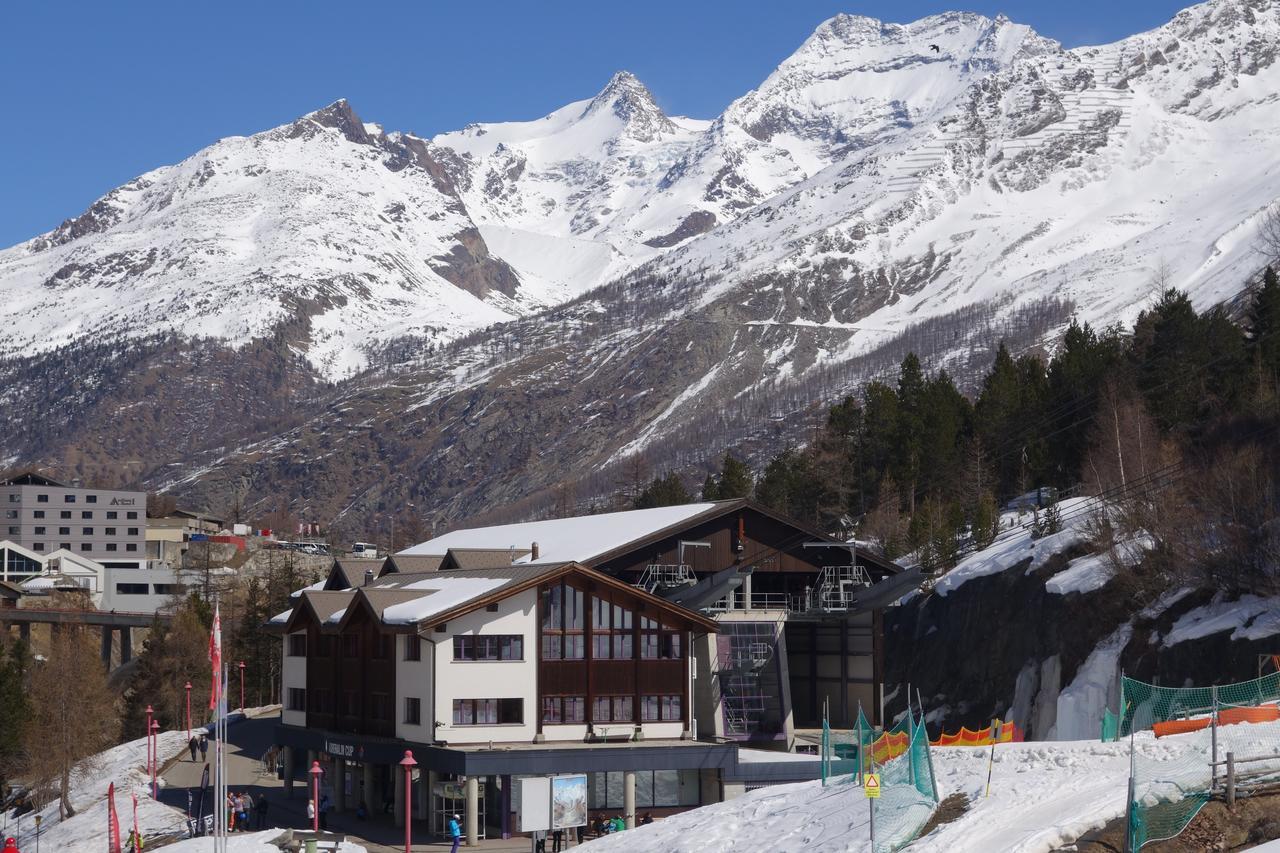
pixel 108 622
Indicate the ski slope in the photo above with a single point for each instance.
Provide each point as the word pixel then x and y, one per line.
pixel 1043 796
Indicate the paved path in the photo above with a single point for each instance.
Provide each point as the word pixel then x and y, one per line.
pixel 248 741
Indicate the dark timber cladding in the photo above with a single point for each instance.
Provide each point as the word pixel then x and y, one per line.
pixel 604 640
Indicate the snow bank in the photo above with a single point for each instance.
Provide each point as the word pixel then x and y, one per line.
pixel 1013 546
pixel 125 765
pixel 1248 618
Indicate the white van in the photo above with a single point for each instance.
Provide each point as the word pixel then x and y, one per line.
pixel 364 549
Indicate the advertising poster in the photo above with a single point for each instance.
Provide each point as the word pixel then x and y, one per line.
pixel 568 801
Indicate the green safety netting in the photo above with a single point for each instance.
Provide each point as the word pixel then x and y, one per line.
pixel 1110 725
pixel 901 755
pixel 1172 782
pixel 1143 705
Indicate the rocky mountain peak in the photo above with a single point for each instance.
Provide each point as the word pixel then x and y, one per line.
pixel 340 116
pixel 631 101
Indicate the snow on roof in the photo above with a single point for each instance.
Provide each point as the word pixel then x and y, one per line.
pixel 772 756
pixel 318 585
pixel 563 540
pixel 438 595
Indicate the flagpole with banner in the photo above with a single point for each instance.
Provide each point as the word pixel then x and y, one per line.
pixel 113 821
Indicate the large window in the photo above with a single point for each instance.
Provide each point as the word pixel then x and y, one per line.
pixel 382 646
pixel 563 623
pixel 654 789
pixel 87 515
pixel 488 647
pixel 564 709
pixel 611 631
pixel 131 589
pixel 412 710
pixel 297 645
pixel 38 514
pixel 664 708
pixel 70 499
pixel 42 499
pixel 658 641
pixel 91 499
pixel 613 709
pixel 488 712
pixel 351 645
pixel 413 647
pixel 297 699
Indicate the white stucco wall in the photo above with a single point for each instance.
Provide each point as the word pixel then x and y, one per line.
pixel 413 678
pixel 488 679
pixel 293 673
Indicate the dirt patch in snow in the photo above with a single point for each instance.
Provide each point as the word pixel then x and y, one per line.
pixel 1250 822
pixel 951 808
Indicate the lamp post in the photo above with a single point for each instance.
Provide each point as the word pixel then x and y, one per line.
pixel 315 796
pixel 155 758
pixel 148 733
pixel 408 764
pixel 188 711
pixel 241 685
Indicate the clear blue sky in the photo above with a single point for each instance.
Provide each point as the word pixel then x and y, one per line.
pixel 95 93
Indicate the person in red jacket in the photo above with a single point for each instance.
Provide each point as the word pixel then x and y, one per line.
pixel 10 846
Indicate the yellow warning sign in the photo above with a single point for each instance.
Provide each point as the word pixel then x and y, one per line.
pixel 871 786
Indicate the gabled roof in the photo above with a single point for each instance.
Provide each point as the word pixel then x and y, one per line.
pixel 10 545
pixel 594 539
pixel 568 539
pixel 411 563
pixel 326 608
pixel 31 478
pixel 418 601
pixel 348 572
pixel 481 558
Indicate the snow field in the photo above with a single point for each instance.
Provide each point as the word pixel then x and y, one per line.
pixel 1043 795
pixel 85 831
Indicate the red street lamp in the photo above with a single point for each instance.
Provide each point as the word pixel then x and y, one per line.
pixel 148 733
pixel 408 764
pixel 315 796
pixel 188 711
pixel 241 685
pixel 155 759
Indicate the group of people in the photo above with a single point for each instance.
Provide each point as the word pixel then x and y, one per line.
pixel 606 825
pixel 243 810
pixel 326 805
pixel 198 744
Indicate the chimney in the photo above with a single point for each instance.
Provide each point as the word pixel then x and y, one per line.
pixel 533 555
pixel 368 576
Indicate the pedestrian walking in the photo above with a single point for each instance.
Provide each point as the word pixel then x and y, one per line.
pixel 455 831
pixel 246 808
pixel 260 811
pixel 325 805
pixel 311 811
pixel 10 846
pixel 204 747
pixel 193 745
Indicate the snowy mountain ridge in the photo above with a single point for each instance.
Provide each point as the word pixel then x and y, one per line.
pixel 952 158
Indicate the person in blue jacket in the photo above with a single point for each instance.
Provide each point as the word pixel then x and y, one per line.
pixel 455 831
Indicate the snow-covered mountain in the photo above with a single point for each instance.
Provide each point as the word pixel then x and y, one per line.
pixel 932 186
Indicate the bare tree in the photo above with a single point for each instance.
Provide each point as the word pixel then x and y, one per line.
pixel 1269 233
pixel 73 713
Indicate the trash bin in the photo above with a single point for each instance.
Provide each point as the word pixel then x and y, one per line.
pixel 311 845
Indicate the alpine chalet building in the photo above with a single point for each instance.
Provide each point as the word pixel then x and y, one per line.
pixel 641 648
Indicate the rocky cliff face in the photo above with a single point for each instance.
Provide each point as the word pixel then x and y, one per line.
pixel 1040 635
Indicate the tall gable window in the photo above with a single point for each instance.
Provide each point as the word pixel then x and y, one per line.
pixel 612 629
pixel 564 622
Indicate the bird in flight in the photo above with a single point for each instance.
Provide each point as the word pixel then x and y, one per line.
pixel 935 48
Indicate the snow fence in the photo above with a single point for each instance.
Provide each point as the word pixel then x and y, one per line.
pixel 908 789
pixel 1232 748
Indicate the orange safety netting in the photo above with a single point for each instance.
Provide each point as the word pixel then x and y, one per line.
pixel 889 746
pixel 1005 733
